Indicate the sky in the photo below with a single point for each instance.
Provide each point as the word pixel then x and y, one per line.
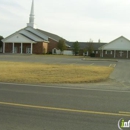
pixel 74 20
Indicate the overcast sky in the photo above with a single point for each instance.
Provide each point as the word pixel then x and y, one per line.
pixel 74 20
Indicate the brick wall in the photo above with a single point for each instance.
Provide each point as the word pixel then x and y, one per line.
pixel 128 54
pixel 117 55
pixel 38 48
pixel 51 45
pixel 108 55
pixel 26 45
pixel 124 55
pixel 97 53
pixel 8 47
pixel 18 45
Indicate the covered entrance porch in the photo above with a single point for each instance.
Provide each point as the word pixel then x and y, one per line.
pixel 121 54
pixel 118 48
pixel 18 48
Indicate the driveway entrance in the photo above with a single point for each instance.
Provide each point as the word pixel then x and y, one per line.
pixel 121 72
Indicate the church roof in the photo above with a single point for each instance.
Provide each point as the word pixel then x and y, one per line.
pixel 84 45
pixel 30 33
pixel 35 35
pixel 51 35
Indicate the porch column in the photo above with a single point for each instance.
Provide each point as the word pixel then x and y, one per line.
pixel 3 47
pixel 114 53
pixel 21 48
pixel 102 53
pixel 31 47
pixel 127 54
pixel 13 47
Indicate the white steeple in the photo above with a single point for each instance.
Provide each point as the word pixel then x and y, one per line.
pixel 31 18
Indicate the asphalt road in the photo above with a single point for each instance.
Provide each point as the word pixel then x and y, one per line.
pixel 48 107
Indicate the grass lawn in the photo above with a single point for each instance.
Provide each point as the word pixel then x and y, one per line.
pixel 47 73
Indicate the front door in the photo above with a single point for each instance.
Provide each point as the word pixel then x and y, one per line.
pixel 15 49
pixel 28 50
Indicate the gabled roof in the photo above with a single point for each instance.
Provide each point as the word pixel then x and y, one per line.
pixel 119 38
pixel 36 35
pixel 84 45
pixel 17 38
pixel 117 44
pixel 31 36
pixel 30 33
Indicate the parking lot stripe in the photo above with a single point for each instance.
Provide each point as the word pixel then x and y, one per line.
pixel 91 64
pixel 112 65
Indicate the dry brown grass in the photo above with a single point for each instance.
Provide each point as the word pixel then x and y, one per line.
pixel 47 73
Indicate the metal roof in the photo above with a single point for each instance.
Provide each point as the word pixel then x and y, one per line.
pixel 83 45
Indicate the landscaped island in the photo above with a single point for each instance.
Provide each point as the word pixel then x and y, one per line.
pixel 18 72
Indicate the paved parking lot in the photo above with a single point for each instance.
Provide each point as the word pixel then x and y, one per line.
pixel 55 60
pixel 121 72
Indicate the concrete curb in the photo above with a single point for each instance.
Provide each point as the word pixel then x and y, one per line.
pixel 86 59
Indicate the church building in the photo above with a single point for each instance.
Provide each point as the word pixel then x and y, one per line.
pixel 30 40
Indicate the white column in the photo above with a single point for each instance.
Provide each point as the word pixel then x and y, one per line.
pixel 127 53
pixel 31 47
pixel 114 53
pixel 21 48
pixel 102 53
pixel 3 47
pixel 13 47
